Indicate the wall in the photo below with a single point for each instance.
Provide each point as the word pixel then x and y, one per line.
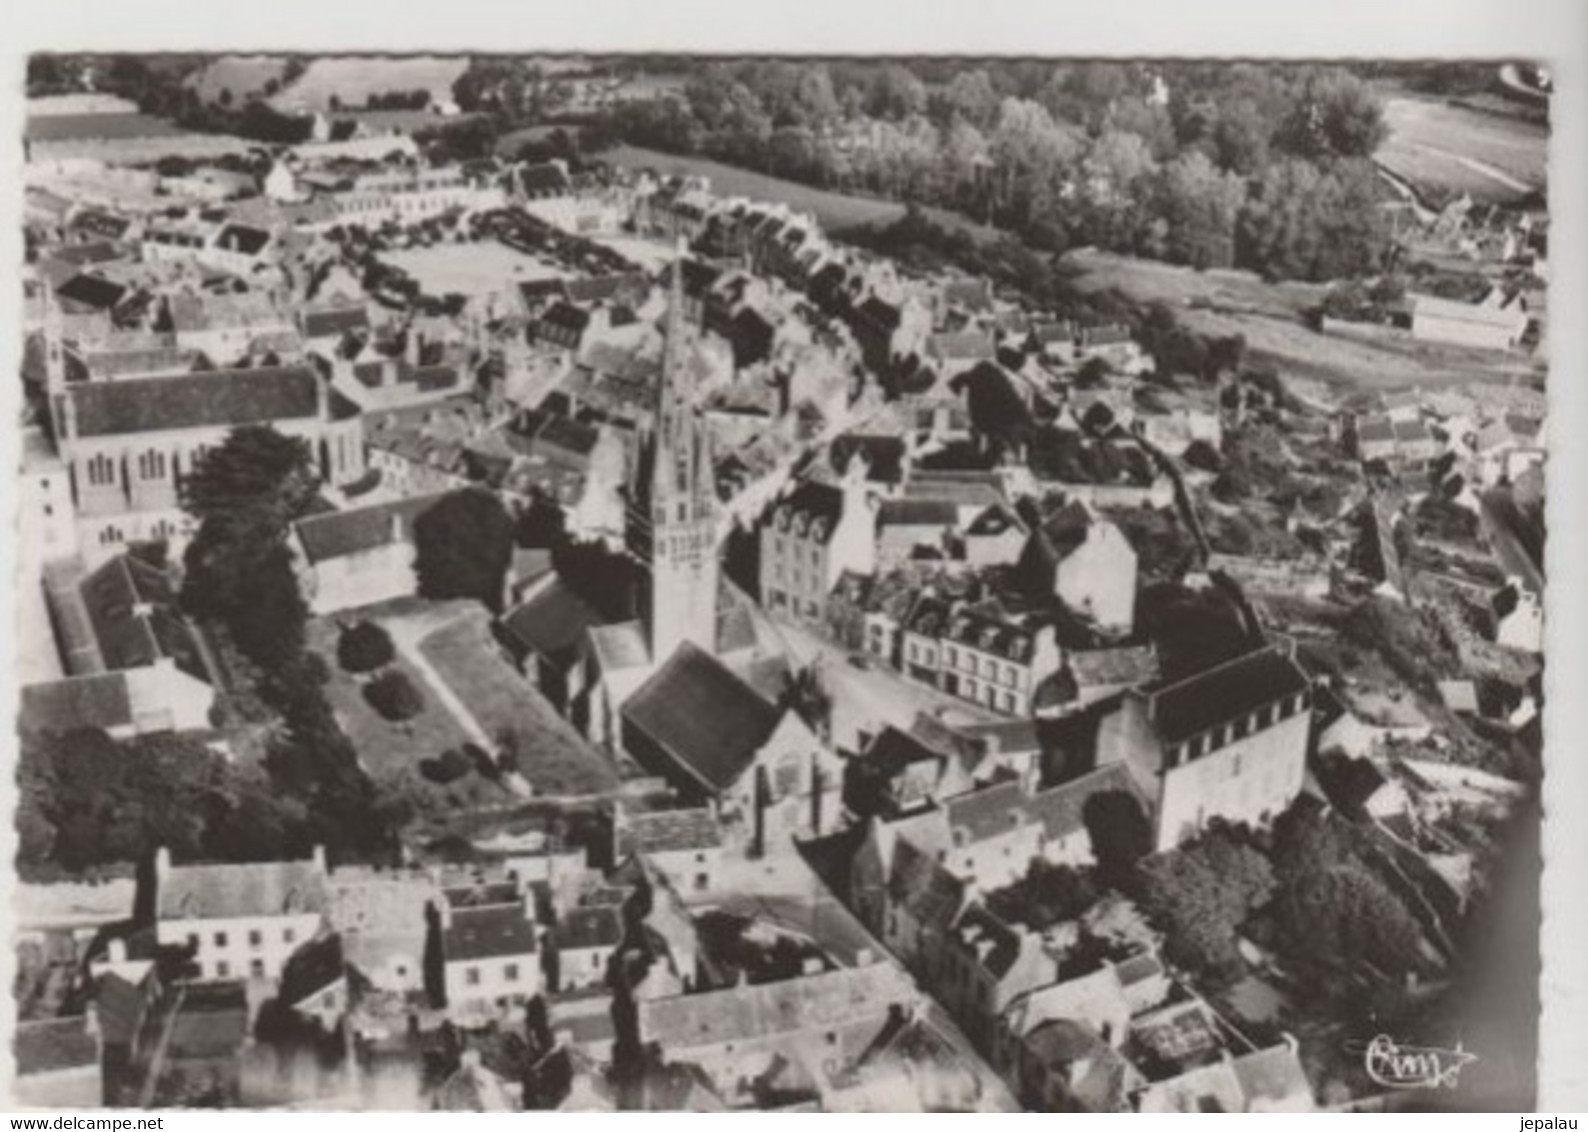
pixel 1250 780
pixel 279 937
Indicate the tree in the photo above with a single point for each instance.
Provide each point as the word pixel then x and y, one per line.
pixel 244 493
pixel 1201 894
pixel 895 93
pixel 1198 204
pixel 1120 834
pixel 364 647
pixel 463 546
pixel 971 98
pixel 1335 115
pixel 394 696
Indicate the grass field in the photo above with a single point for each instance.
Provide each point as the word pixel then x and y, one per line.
pixel 1489 156
pixel 242 75
pixel 353 78
pixel 1270 317
pixel 391 752
pixel 58 127
pixel 469 269
pixel 553 757
pixel 835 211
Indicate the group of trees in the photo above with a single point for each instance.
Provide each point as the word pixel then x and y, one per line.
pixel 1251 165
pixel 85 799
pixel 240 584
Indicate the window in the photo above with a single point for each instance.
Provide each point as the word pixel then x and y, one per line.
pixel 223 970
pixel 256 938
pixel 595 961
pixel 101 470
pixel 288 935
pixel 402 970
pixel 510 972
pixel 702 882
pixel 951 656
pixel 1011 677
pixel 220 939
pixel 471 976
pixel 193 940
pixel 256 968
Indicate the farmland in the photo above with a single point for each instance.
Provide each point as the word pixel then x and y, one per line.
pixel 1269 315
pixel 352 79
pixel 239 75
pixel 80 127
pixel 835 211
pixel 1440 146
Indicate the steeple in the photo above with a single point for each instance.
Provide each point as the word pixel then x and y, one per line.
pixel 672 499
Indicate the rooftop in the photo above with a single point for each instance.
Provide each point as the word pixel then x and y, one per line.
pixel 1224 692
pixel 237 891
pixel 216 399
pixel 497 931
pixel 702 717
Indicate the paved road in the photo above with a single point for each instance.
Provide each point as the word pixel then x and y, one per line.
pixel 867 699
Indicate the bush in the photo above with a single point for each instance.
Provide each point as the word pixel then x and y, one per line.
pixel 481 760
pixel 394 696
pixel 364 647
pixel 451 766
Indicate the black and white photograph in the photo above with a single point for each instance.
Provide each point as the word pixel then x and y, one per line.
pixel 778 581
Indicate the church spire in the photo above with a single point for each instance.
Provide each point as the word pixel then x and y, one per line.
pixel 673 512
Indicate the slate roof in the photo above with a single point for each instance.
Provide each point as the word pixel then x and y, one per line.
pixel 1098 667
pixel 817 1002
pixel 553 621
pixel 996 944
pixel 338 534
pixel 91 291
pixel 238 891
pixel 814 507
pixel 990 635
pixel 984 814
pixel 630 287
pixel 884 454
pixel 102 700
pixel 1062 809
pixel 488 933
pixel 918 883
pixel 708 721
pixel 620 646
pixel 215 399
pixel 330 322
pixel 582 928
pixel 917 513
pixel 132 607
pixel 963 344
pixel 668 831
pixel 1221 693
pixel 212 1021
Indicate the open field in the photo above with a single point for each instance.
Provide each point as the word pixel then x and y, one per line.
pixel 834 211
pixel 1438 145
pixel 469 269
pixel 59 127
pixel 352 79
pixel 1270 317
pixel 553 757
pixel 390 753
pixel 241 75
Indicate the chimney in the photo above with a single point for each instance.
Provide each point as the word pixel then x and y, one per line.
pixel 162 862
pixel 118 950
pixel 812 965
pixel 319 858
pixel 469 1059
pixel 864 957
pixel 412 345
